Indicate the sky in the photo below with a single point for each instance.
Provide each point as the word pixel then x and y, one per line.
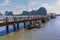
pixel 18 6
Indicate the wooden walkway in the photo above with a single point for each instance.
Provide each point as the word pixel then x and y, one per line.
pixel 50 31
pixel 34 22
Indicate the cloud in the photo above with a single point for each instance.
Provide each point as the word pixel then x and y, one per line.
pixel 58 3
pixel 34 5
pixel 18 9
pixel 55 8
pixel 6 2
pixel 51 9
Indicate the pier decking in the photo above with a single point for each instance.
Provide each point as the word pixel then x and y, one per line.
pixel 34 22
pixel 50 31
pixel 16 20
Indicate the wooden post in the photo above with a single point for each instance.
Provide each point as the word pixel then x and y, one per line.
pixel 30 22
pixel 49 17
pixel 45 19
pixel 33 21
pixel 17 26
pixel 14 26
pixel 7 30
pixel 40 23
pixel 24 25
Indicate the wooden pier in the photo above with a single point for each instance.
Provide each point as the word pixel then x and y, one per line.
pixel 35 22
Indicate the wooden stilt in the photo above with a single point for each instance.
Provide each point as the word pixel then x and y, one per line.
pixel 7 30
pixel 30 22
pixel 45 19
pixel 33 21
pixel 14 26
pixel 24 25
pixel 17 26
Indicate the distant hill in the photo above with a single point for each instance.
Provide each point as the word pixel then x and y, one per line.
pixel 8 13
pixel 1 14
pixel 40 11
